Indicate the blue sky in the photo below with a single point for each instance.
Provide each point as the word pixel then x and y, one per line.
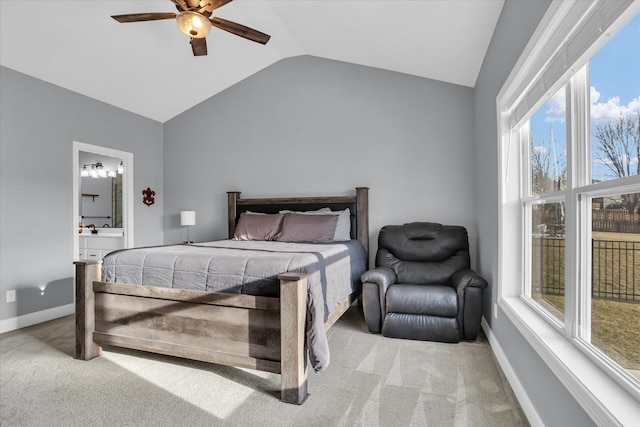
pixel 615 89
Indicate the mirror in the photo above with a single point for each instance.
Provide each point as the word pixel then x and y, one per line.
pixel 100 191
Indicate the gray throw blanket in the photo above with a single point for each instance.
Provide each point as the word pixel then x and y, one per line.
pixel 250 267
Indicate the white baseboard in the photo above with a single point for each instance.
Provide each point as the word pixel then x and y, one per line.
pixel 25 320
pixel 523 399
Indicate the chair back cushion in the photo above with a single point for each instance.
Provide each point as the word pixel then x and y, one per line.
pixel 423 252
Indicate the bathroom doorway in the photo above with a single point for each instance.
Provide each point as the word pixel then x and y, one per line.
pixel 102 200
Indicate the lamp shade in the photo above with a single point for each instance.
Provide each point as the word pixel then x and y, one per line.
pixel 193 24
pixel 187 218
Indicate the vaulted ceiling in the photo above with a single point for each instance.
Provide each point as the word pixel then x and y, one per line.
pixel 148 68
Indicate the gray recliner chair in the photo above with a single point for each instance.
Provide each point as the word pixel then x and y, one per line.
pixel 422 287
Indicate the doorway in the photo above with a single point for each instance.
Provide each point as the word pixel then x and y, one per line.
pixel 118 213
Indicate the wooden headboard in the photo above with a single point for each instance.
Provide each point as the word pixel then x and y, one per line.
pixel 358 205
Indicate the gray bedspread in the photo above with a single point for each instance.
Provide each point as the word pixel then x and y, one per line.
pixel 250 267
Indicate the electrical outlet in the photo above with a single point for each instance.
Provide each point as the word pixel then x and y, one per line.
pixel 495 310
pixel 11 296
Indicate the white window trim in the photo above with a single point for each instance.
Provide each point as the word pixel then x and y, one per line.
pixel 603 399
pixel 606 400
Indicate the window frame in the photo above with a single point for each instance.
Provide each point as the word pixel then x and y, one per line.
pixel 609 394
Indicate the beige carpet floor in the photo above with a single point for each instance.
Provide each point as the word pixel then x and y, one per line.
pixel 372 381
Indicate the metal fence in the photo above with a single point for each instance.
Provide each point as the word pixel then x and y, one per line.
pixel 615 272
pixel 615 269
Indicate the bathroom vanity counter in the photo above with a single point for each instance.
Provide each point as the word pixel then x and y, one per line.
pixel 96 246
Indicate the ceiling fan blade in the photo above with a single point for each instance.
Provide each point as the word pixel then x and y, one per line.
pixel 199 46
pixel 137 17
pixel 240 30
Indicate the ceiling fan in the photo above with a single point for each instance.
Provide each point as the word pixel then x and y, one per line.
pixel 194 20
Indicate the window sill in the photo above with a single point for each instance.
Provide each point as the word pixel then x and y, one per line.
pixel 602 398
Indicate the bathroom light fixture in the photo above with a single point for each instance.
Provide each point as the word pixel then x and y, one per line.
pixel 188 219
pixel 97 170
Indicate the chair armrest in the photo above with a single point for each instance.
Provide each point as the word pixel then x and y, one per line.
pixel 375 283
pixel 381 276
pixel 462 279
pixel 469 287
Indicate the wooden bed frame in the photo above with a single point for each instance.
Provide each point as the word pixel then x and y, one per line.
pixel 262 333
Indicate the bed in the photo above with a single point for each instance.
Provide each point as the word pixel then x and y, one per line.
pixel 275 328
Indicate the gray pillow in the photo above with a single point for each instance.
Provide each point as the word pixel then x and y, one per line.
pixel 257 226
pixel 343 226
pixel 307 228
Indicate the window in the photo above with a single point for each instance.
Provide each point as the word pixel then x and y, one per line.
pixel 615 280
pixel 547 258
pixel 544 202
pixel 606 148
pixel 570 208
pixel 615 107
pixel 614 223
pixel 548 151
pixel 612 144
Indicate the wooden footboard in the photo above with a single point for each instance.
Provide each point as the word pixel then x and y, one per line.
pixel 261 333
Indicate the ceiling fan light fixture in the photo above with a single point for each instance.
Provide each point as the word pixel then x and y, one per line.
pixel 193 24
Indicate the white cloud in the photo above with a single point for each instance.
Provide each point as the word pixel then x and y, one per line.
pixel 611 110
pixel 600 111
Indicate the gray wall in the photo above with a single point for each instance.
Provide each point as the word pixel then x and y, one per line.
pixel 38 124
pixel 311 126
pixel 517 23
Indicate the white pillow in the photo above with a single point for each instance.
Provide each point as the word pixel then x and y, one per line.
pixel 343 226
pixel 317 212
